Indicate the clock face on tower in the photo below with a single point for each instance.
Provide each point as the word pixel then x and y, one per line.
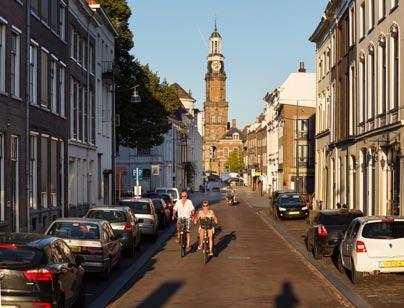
pixel 216 65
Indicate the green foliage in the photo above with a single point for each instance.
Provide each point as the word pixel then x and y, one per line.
pixel 190 171
pixel 144 124
pixel 235 161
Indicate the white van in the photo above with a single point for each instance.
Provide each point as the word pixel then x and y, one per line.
pixel 170 190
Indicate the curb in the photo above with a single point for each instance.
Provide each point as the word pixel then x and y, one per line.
pixel 344 290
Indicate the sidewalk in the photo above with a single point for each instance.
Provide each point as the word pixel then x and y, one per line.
pixel 377 291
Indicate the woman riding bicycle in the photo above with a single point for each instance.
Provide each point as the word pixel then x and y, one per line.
pixel 207 219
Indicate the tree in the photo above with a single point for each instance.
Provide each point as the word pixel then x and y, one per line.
pixel 142 125
pixel 235 161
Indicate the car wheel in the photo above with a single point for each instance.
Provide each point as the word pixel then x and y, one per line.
pixel 131 249
pixel 61 302
pixel 81 299
pixel 317 252
pixel 356 277
pixel 306 241
pixel 107 271
pixel 340 267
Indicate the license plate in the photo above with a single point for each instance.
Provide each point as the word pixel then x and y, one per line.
pixel 398 263
pixel 294 213
pixel 75 248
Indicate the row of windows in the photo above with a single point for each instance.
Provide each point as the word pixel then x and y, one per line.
pixel 82 113
pixel 52 13
pixel 369 19
pixel 81 52
pixel 52 73
pixel 379 77
pixel 46 171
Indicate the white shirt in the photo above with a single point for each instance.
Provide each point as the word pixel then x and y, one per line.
pixel 184 210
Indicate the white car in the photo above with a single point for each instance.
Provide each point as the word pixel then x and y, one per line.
pixel 145 213
pixel 169 190
pixel 372 245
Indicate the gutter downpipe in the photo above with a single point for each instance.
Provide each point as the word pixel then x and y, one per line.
pixel 27 122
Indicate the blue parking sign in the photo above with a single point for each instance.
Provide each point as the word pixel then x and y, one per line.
pixel 134 173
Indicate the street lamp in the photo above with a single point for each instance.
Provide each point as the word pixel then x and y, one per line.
pixel 135 98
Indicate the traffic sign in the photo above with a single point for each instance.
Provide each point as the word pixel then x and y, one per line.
pixel 137 172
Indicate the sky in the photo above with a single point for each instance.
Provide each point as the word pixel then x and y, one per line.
pixel 263 42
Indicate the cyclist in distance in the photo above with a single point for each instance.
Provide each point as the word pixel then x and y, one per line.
pixel 186 210
pixel 207 219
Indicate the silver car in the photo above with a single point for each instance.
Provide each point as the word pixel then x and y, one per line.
pixel 91 239
pixel 145 213
pixel 123 222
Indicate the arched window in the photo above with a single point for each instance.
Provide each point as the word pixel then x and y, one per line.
pixel 394 66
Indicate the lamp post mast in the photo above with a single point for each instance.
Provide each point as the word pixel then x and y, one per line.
pixel 297 147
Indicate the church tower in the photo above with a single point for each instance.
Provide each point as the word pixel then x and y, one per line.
pixel 215 106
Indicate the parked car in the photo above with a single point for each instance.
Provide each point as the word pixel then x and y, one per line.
pixel 163 212
pixel 151 195
pixel 373 245
pixel 235 182
pixel 145 213
pixel 39 270
pixel 327 230
pixel 275 194
pixel 91 239
pixel 169 190
pixel 124 223
pixel 290 205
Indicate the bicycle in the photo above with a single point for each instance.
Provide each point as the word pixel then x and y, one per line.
pixel 205 243
pixel 183 236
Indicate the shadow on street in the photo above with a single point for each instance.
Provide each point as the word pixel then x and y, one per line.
pixel 287 298
pixel 161 295
pixel 223 242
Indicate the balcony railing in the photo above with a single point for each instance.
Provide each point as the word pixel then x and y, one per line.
pixel 107 70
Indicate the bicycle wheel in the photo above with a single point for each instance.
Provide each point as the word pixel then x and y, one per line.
pixel 183 244
pixel 206 247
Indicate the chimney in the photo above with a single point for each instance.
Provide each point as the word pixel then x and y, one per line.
pixel 233 123
pixel 301 67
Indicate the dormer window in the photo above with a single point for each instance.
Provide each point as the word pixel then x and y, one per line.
pixel 236 136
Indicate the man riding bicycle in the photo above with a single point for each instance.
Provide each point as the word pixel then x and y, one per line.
pixel 207 219
pixel 185 210
pixel 231 195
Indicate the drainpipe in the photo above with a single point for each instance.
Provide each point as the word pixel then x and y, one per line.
pixel 27 128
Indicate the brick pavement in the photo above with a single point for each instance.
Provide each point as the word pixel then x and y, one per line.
pixel 253 267
pixel 379 291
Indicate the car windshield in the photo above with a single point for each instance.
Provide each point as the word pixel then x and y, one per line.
pixel 138 207
pixel 289 199
pixel 338 219
pixel 384 230
pixel 12 256
pixel 109 215
pixel 172 192
pixel 75 230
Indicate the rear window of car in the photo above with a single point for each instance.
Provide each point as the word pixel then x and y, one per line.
pixel 285 199
pixel 75 230
pixel 337 219
pixel 384 230
pixel 12 256
pixel 172 192
pixel 138 207
pixel 109 215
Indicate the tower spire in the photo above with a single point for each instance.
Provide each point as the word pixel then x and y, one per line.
pixel 215 25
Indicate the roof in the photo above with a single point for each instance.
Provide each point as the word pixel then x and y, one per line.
pixel 215 34
pixel 136 199
pixel 34 240
pixel 340 211
pixel 378 218
pixel 181 93
pixel 80 219
pixel 117 208
pixel 229 133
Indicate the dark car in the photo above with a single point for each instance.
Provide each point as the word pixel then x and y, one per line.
pixel 163 212
pixel 39 270
pixel 124 223
pixel 151 195
pixel 91 239
pixel 290 205
pixel 327 230
pixel 169 200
